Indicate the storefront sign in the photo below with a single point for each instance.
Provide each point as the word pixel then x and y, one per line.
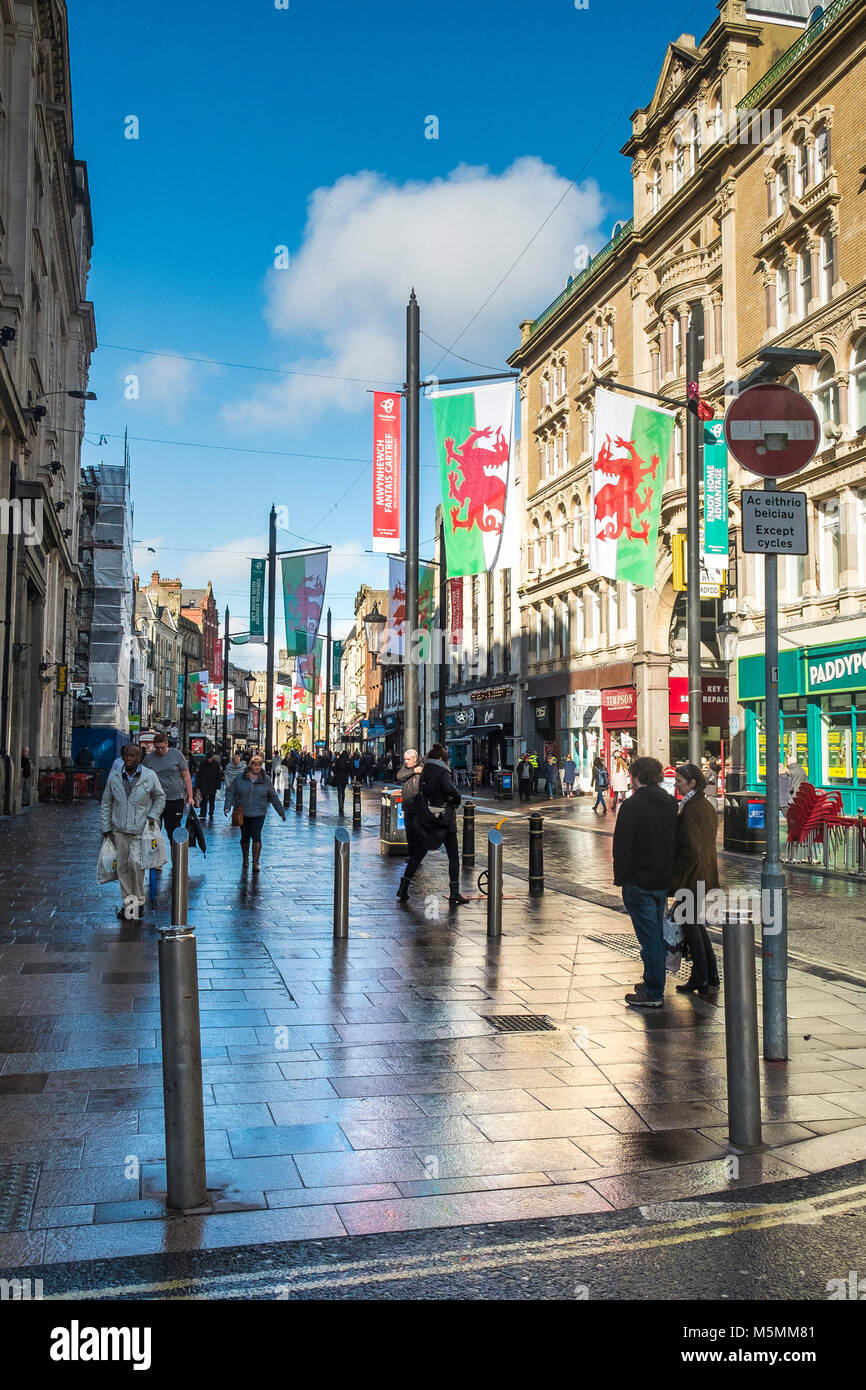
pixel 494 714
pixel 774 523
pixel 828 670
pixel 464 718
pixel 619 707
pixel 584 709
pixel 504 692
pixel 714 701
pixel 542 714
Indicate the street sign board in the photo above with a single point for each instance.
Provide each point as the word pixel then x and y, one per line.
pixel 772 430
pixel 774 523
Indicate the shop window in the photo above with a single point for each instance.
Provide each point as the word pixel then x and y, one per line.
pixel 795 743
pixel 860 739
pixel 829 545
pixel 837 740
pixel 857 410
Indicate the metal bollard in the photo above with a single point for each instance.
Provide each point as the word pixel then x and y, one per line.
pixel 341 883
pixel 299 796
pixel 313 795
pixel 741 1034
pixel 186 1181
pixel 356 803
pixel 536 855
pixel 287 796
pixel 468 832
pixel 861 843
pixel 494 883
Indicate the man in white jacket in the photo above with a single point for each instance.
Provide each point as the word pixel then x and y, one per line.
pixel 133 796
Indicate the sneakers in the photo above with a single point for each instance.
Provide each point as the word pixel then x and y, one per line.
pixel 641 1000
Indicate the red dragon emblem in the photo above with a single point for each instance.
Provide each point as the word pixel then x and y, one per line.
pixel 398 598
pixel 615 501
pixel 484 483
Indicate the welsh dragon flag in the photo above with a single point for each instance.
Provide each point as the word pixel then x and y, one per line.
pixel 475 449
pixel 629 460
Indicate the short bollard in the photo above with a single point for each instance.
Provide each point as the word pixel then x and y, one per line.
pixel 313 795
pixel 186 1183
pixel 861 843
pixel 468 832
pixel 299 797
pixel 341 883
pixel 287 796
pixel 536 855
pixel 741 1034
pixel 494 883
pixel 356 803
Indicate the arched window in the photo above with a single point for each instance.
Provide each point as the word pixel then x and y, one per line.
pixel 577 541
pixel 783 307
pixel 546 534
pixel 656 186
pixel 534 546
pixel 676 343
pixel 561 534
pixel 828 260
pixel 608 338
pixel 782 190
pixel 599 341
pixel 822 153
pixel 679 161
pixel 692 135
pixel 829 545
pixel 801 166
pixel 717 122
pixel 857 407
pixel 804 281
pixel 825 396
pixel 589 358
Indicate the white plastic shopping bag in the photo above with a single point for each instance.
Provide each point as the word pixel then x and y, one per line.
pixel 674 942
pixel 148 850
pixel 106 864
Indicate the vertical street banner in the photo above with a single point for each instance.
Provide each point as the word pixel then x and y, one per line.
pixel 198 682
pixel 304 579
pixel 217 663
pixel 299 696
pixel 427 597
pixel 386 472
pixel 455 600
pixel 392 641
pixel 230 705
pixel 630 452
pixel 715 551
pixel 475 449
pixel 179 700
pixel 336 664
pixel 309 663
pixel 257 598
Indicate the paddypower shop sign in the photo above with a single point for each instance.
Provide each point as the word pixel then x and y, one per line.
pixel 827 671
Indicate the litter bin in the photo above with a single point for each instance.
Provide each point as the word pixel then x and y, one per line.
pixel 504 785
pixel 745 822
pixel 392 828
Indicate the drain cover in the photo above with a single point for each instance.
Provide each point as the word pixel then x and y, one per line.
pixel 627 946
pixel 521 1023
pixel 17 1191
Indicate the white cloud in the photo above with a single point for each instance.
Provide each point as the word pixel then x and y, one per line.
pixel 368 241
pixel 166 383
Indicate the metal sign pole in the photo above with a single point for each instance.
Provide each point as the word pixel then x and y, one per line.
pixel 774 893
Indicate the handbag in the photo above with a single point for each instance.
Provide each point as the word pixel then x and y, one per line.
pixel 238 815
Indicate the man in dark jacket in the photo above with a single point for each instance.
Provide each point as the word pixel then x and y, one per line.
pixel 643 861
pixel 436 823
pixel 207 782
pixel 341 773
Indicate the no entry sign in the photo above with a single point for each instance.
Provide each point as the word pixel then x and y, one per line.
pixel 772 430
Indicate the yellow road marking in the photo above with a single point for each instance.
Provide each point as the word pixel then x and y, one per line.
pixel 393 1268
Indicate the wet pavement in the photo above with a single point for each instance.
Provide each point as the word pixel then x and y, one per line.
pixel 356 1088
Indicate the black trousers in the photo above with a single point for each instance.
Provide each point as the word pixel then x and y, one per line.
pixel 341 799
pixel 523 788
pixel 208 801
pixel 172 816
pixel 417 853
pixel 705 969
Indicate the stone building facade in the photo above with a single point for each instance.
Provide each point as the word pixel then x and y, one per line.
pixel 747 211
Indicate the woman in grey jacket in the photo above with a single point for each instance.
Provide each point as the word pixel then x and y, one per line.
pixel 250 792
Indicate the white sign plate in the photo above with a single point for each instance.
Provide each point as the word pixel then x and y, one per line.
pixel 774 523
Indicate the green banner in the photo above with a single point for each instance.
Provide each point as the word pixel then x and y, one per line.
pixel 336 664
pixel 304 578
pixel 715 551
pixel 257 598
pixel 426 597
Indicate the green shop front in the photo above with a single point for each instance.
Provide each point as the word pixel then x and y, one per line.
pixel 822 717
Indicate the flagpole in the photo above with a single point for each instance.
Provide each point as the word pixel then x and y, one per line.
pixel 444 653
pixel 413 390
pixel 272 593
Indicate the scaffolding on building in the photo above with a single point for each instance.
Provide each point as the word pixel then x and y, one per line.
pixel 105 614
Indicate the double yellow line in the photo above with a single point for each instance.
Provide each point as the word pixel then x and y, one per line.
pixel 350 1274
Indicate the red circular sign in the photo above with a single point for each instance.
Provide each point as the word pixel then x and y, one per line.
pixel 772 430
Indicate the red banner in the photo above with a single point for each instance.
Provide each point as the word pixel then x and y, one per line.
pixel 386 471
pixel 216 669
pixel 455 595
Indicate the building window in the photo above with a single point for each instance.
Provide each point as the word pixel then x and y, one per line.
pixel 717 122
pixel 561 534
pixel 678 454
pixel 837 739
pixel 782 305
pixel 537 635
pixel 795 577
pixel 857 407
pixel 781 187
pixel 609 338
pixel 804 281
pixel 822 153
pixel 534 547
pixel 679 163
pixel 801 167
pixel 545 390
pixel 825 397
pixel 656 187
pixel 827 262
pixel 579 623
pixel 829 546
pixel 576 525
pixel 551 629
pixel 612 611
pixel 630 612
pixel 676 340
pixel 506 620
pixel 491 653
pixel 589 359
pixel 593 617
pixel 566 625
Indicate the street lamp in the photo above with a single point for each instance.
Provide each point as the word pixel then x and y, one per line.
pixel 727 635
pixel 374 627
pixel 250 682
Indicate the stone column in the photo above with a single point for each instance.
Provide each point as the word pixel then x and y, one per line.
pixel 727 217
pixel 651 672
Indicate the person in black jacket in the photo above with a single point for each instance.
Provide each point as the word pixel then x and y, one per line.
pixel 208 780
pixel 341 772
pixel 435 823
pixel 643 862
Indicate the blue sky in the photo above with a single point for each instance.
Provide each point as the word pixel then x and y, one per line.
pixel 305 128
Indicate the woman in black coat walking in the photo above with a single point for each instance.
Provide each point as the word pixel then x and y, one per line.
pixel 435 823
